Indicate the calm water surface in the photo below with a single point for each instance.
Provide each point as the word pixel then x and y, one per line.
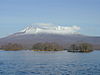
pixel 49 63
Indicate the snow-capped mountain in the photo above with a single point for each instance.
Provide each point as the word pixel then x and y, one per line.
pixel 62 35
pixel 53 29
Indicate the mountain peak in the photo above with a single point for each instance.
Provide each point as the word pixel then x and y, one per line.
pixel 50 28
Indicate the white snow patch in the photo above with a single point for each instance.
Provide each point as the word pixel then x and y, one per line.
pixel 36 28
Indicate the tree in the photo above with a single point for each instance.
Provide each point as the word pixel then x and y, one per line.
pixel 47 46
pixel 85 47
pixel 73 47
pixel 81 47
pixel 12 46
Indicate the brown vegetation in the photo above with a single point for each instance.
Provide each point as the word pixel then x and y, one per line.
pixel 82 47
pixel 12 46
pixel 46 47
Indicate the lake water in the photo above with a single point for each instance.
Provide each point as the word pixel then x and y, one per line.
pixel 49 63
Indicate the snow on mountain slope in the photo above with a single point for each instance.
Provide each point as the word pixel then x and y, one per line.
pixel 50 28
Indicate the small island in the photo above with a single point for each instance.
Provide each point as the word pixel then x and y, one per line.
pixel 47 47
pixel 81 47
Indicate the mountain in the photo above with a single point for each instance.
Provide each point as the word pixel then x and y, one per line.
pixel 57 34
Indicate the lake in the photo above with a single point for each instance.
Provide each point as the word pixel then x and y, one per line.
pixel 49 63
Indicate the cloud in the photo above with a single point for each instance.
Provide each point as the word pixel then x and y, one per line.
pixel 43 24
pixel 52 28
pixel 72 29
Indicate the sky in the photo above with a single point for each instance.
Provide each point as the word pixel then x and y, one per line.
pixel 17 14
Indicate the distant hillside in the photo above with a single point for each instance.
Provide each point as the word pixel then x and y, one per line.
pixel 28 40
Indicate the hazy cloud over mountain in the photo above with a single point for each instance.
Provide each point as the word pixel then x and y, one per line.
pixel 50 28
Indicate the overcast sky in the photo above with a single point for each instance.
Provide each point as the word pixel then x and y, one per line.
pixel 17 14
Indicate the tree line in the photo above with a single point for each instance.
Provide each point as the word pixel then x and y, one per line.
pixel 81 47
pixel 47 46
pixel 12 46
